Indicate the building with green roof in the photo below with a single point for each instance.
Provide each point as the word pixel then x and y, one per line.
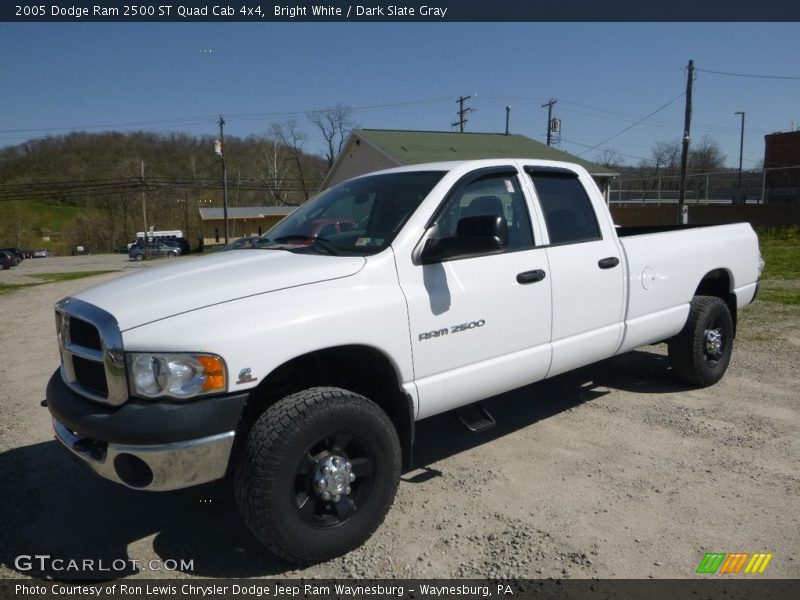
pixel 368 150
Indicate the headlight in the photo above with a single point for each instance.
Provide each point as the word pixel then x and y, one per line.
pixel 175 375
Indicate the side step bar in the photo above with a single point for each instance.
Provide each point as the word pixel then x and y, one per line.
pixel 475 418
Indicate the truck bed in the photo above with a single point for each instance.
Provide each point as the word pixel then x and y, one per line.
pixel 665 265
pixel 627 231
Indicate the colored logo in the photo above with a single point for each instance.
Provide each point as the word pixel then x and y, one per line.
pixel 736 562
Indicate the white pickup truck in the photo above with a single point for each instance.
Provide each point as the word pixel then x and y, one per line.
pixel 299 368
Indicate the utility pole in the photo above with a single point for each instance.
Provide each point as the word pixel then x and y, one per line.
pixel 144 206
pixel 508 116
pixel 221 153
pixel 549 106
pixel 186 215
pixel 741 149
pixel 687 123
pixel 462 112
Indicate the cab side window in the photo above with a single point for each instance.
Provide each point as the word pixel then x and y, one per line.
pixel 491 195
pixel 568 212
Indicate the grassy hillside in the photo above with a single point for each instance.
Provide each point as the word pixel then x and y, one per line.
pixel 25 223
pixel 88 187
pixel 47 216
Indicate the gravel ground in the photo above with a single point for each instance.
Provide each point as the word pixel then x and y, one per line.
pixel 615 470
pixel 27 270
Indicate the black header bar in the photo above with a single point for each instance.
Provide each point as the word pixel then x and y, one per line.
pixel 438 11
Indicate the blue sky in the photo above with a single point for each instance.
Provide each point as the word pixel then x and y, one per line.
pixel 59 77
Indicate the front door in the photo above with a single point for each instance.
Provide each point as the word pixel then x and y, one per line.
pixel 479 325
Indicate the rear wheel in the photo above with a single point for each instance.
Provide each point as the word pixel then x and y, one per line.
pixel 701 352
pixel 318 473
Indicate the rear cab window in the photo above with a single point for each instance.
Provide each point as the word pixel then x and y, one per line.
pixel 567 209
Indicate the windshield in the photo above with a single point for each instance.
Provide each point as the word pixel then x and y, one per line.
pixel 360 216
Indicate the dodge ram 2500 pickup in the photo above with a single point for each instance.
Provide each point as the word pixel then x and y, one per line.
pixel 300 367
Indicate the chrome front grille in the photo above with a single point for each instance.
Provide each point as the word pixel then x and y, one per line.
pixel 92 359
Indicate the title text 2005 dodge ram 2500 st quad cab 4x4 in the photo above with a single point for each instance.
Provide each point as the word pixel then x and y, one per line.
pixel 301 366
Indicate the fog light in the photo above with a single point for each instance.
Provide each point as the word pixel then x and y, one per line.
pixel 133 471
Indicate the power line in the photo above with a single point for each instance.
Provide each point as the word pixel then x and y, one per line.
pixel 754 76
pixel 624 117
pixel 160 122
pixel 205 119
pixel 634 125
pixel 590 147
pixel 673 125
pixel 130 185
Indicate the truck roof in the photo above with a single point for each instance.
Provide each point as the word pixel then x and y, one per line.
pixel 468 165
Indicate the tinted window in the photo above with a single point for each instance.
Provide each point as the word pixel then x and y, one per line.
pixel 491 195
pixel 568 212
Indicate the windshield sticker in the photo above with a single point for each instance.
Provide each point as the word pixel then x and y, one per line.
pixel 509 186
pixel 369 242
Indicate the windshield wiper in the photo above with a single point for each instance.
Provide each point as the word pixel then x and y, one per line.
pixel 316 242
pixel 325 244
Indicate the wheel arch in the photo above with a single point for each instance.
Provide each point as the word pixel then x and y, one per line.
pixel 719 283
pixel 361 369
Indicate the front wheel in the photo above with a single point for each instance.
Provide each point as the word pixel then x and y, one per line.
pixel 318 474
pixel 701 352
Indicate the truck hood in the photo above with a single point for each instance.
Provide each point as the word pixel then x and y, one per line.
pixel 187 284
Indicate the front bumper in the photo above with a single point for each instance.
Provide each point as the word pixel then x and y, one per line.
pixel 153 468
pixel 151 445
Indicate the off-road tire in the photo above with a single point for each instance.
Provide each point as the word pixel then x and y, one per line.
pixel 689 353
pixel 288 444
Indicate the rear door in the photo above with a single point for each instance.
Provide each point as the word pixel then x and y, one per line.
pixel 480 325
pixel 586 268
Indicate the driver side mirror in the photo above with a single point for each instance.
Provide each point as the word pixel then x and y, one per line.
pixel 475 236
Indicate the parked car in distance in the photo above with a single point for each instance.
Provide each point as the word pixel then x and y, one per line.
pixel 172 241
pixel 178 243
pixel 242 243
pixel 8 259
pixel 18 252
pixel 41 254
pixel 142 251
